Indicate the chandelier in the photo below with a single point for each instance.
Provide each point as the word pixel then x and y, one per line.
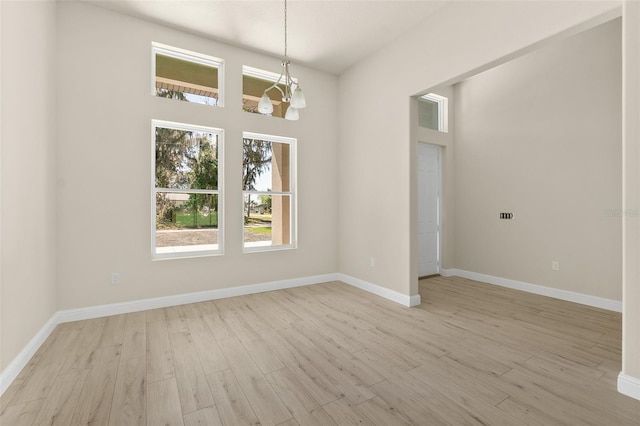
pixel 291 93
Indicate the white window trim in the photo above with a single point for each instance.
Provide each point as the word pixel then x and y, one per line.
pixel 190 56
pixel 176 252
pixel 253 247
pixel 443 110
pixel 263 74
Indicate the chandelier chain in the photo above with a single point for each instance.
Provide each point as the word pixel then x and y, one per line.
pixel 285 28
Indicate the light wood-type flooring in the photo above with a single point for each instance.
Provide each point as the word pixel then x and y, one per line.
pixel 331 354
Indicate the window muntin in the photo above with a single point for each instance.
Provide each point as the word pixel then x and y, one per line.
pixel 268 181
pixel 187 207
pixel 254 82
pixel 187 76
pixel 432 112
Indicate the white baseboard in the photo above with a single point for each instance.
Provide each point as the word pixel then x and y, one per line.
pixel 584 299
pixel 183 299
pixel 628 385
pixel 14 368
pixel 394 296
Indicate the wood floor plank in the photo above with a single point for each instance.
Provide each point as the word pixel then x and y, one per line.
pixel 290 422
pixel 350 386
pixel 190 378
pixel 474 385
pixel 410 404
pixel 83 353
pixel 158 356
pixel 233 406
pixel 211 356
pixel 134 336
pixel 163 403
pixel 129 405
pixel 59 405
pixel 94 405
pixel 265 402
pixel 204 417
pixel 113 331
pixel 175 319
pixel 295 397
pixel 462 400
pixel 21 415
pixel 337 355
pixel 307 374
pixel 215 320
pixel 380 413
pixel 266 360
pixel 344 412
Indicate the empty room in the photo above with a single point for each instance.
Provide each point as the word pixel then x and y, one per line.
pixel 319 212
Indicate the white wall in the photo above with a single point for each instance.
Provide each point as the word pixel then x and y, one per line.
pixel 104 164
pixel 377 167
pixel 629 382
pixel 541 137
pixel 28 213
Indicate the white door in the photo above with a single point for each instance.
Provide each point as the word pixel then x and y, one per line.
pixel 428 209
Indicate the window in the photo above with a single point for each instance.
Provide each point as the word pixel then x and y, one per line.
pixel 268 183
pixel 254 83
pixel 186 76
pixel 187 206
pixel 432 112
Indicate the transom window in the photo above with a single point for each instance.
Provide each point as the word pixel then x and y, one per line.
pixel 268 183
pixel 432 112
pixel 186 76
pixel 187 207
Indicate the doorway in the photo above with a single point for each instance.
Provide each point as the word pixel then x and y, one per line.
pixel 429 184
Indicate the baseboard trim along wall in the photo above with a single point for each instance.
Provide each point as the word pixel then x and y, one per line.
pixel 22 359
pixel 409 301
pixel 583 299
pixel 183 299
pixel 19 362
pixel 629 386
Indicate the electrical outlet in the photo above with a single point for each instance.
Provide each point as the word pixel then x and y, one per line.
pixel 115 278
pixel 555 265
pixel 372 262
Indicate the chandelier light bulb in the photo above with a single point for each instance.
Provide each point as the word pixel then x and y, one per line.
pixel 297 99
pixel 292 114
pixel 265 106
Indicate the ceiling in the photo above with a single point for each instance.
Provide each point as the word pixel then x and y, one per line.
pixel 329 35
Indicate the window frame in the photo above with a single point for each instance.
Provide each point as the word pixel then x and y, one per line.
pixel 292 193
pixel 219 192
pixel 443 110
pixel 189 56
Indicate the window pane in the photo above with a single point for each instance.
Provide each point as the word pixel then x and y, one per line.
pixel 186 80
pixel 428 114
pixel 252 90
pixel 267 220
pixel 186 222
pixel 266 166
pixel 186 159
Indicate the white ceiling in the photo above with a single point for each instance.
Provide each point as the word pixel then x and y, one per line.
pixel 330 35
